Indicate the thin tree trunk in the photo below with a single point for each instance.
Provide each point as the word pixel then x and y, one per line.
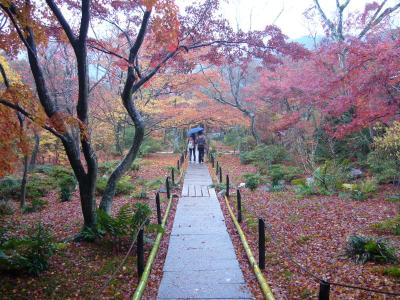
pixel 106 201
pixel 253 128
pixel 35 152
pixel 22 198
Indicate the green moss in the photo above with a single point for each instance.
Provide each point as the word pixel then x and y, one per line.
pixel 392 272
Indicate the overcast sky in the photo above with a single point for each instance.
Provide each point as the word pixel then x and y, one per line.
pixel 286 14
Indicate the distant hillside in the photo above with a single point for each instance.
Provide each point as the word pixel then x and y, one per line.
pixel 308 41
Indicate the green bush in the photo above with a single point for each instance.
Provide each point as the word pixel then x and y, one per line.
pixel 35 205
pixel 298 181
pixel 10 187
pixel 330 176
pixel 281 172
pixel 5 207
pixel 363 249
pixel 252 180
pixel 385 170
pixel 67 185
pixel 38 185
pixel 106 168
pixel 247 143
pixel 30 253
pixel 125 224
pixel 135 165
pixel 392 272
pixel 150 145
pixel 362 190
pixel 44 169
pixel 234 137
pixel 264 155
pixel 303 190
pixel 391 226
pixel 124 185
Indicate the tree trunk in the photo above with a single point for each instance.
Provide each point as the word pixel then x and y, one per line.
pixel 118 146
pixel 88 201
pixel 106 201
pixel 253 128
pixel 86 178
pixel 23 183
pixel 35 152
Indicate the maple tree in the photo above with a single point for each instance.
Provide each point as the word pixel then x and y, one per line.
pixel 29 26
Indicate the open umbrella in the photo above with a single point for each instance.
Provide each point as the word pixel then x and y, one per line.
pixel 195 130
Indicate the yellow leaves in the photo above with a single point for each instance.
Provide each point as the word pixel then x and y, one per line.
pixel 389 143
pixel 12 76
pixel 149 4
pixel 62 122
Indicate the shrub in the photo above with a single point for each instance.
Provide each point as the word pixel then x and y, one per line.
pixel 5 207
pixel 363 249
pixel 150 145
pixel 125 224
pixel 234 137
pixel 10 187
pixel 391 225
pixel 329 177
pixel 385 170
pixel 106 168
pixel 392 272
pixel 135 165
pixel 124 185
pixel 67 185
pixel 264 155
pixel 306 190
pixel 252 180
pixel 30 253
pixel 35 205
pixel 362 190
pixel 281 172
pixel 247 143
pixel 44 169
pixel 39 186
pixel 298 181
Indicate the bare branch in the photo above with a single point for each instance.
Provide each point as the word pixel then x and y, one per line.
pixel 375 20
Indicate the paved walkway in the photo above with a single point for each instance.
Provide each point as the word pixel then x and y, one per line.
pixel 201 262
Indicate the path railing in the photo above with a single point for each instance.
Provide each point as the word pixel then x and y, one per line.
pixel 144 273
pixel 266 290
pixel 324 284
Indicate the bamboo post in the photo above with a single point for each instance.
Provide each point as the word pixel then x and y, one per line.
pixel 324 290
pixel 217 168
pixel 239 205
pixel 178 165
pixel 227 185
pixel 167 187
pixel 220 174
pixel 261 243
pixel 158 208
pixel 173 176
pixel 140 253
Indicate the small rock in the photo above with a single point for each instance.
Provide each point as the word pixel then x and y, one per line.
pixel 241 185
pixel 310 180
pixel 355 173
pixel 266 187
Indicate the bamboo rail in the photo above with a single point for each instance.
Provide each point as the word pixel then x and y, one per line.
pixel 260 277
pixel 147 270
pixel 145 276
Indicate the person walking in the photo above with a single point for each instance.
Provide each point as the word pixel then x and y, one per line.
pixel 192 149
pixel 201 145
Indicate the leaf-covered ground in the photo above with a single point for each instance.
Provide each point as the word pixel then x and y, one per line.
pixel 80 270
pixel 312 232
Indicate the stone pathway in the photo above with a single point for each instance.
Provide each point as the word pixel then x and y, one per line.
pixel 201 262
